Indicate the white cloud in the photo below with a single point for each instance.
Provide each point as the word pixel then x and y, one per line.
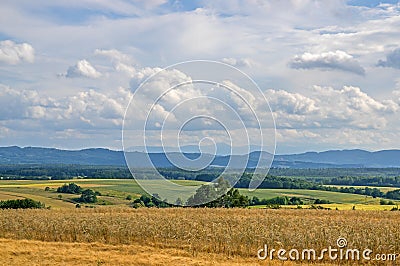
pixel 327 107
pixel 13 53
pixel 22 104
pixel 338 60
pixel 4 132
pixel 140 75
pixel 122 62
pixel 242 62
pixel 171 97
pixel 262 34
pixel 82 69
pixel 85 109
pixel 291 103
pixel 96 109
pixel 114 55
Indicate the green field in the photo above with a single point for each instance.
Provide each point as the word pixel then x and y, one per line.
pixel 334 197
pixel 115 191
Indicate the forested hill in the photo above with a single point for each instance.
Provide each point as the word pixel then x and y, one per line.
pixel 34 155
pixel 99 156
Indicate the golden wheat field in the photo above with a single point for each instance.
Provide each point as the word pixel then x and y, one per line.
pixel 187 236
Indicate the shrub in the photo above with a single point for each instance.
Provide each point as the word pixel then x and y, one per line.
pixel 88 196
pixel 321 201
pixel 70 188
pixel 137 205
pixel 21 204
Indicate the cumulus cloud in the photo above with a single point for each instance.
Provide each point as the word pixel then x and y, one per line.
pixel 21 104
pixel 87 109
pixel 327 107
pixel 95 109
pixel 14 53
pixel 122 62
pixel 392 59
pixel 291 103
pixel 338 60
pixel 140 75
pixel 114 55
pixel 82 69
pixel 322 107
pixel 173 98
pixel 170 101
pixel 292 28
pixel 241 62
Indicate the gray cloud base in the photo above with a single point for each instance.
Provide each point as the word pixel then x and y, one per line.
pixel 392 59
pixel 337 60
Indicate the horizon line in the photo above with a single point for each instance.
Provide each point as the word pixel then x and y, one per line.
pixel 114 150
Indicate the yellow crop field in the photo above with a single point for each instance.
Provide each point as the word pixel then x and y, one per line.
pixel 190 236
pixel 31 252
pixel 116 234
pixel 341 206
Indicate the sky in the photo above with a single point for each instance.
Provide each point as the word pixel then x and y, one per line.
pixel 330 70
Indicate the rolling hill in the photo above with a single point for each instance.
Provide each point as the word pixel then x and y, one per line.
pixel 100 156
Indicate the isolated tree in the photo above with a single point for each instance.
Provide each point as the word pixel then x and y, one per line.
pixel 71 188
pixel 88 196
pixel 204 194
pixel 218 194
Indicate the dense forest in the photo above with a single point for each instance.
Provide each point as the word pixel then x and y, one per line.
pixel 62 171
pixel 321 173
pixel 337 176
pixel 333 176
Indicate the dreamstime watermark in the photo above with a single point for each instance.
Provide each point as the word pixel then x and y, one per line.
pixel 200 103
pixel 338 252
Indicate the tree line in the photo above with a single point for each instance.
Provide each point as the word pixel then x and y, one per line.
pixel 21 204
pixel 62 172
pixel 328 176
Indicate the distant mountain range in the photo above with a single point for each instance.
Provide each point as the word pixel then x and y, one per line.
pixel 219 148
pixel 99 156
